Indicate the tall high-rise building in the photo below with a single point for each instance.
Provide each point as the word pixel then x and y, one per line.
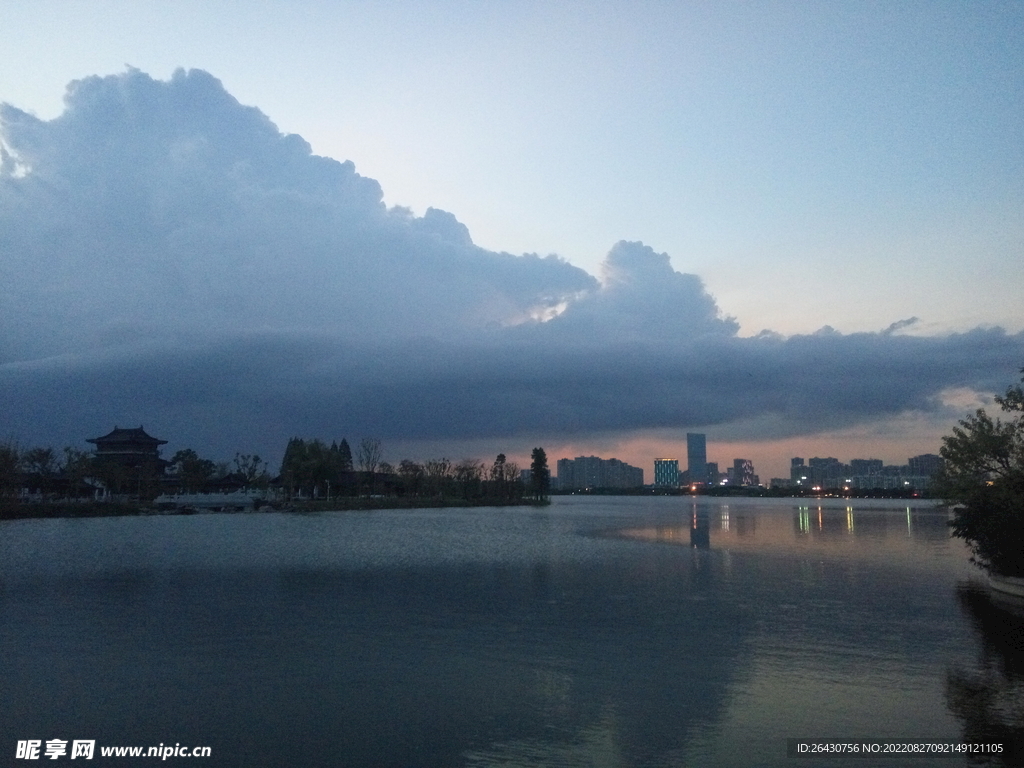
pixel 565 479
pixel 666 473
pixel 743 472
pixel 696 457
pixel 798 471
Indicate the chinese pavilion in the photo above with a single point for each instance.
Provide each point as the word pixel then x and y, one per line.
pixel 131 448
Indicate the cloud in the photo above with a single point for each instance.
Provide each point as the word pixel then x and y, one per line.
pixel 168 257
pixel 899 325
pixel 160 210
pixel 641 298
pixel 259 390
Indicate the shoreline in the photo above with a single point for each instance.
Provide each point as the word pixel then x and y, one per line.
pixel 49 510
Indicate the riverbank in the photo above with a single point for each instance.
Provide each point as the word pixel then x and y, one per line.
pixel 757 492
pixel 27 510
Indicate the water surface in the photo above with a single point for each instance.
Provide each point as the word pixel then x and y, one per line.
pixel 612 631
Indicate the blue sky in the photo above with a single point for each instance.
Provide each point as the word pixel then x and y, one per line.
pixel 843 164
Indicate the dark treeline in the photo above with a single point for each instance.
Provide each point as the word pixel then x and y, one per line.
pixel 313 470
pixel 46 472
pixel 73 474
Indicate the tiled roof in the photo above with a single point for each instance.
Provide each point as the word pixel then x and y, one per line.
pixel 126 435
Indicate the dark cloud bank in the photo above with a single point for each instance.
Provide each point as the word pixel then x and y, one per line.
pixel 167 256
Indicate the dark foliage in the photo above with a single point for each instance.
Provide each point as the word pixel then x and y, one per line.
pixel 540 475
pixel 983 474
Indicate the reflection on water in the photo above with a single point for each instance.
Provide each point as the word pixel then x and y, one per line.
pixel 700 529
pixel 989 699
pixel 865 532
pixel 567 636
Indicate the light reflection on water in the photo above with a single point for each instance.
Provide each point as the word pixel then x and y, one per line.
pixel 599 631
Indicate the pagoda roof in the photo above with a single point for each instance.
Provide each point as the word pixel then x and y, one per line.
pixel 119 435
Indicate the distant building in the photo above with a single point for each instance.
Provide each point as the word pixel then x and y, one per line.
pixel 566 474
pixel 619 474
pixel 830 474
pixel 865 466
pixel 594 472
pixel 696 457
pixel 587 472
pixel 131 448
pixel 713 475
pixel 925 465
pixel 743 472
pixel 666 473
pixel 128 461
pixel 564 480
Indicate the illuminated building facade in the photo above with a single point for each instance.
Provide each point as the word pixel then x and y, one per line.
pixel 666 473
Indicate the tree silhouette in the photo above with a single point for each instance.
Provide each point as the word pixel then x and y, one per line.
pixel 983 474
pixel 345 456
pixel 10 463
pixel 540 479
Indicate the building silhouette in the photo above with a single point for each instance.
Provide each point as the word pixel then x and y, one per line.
pixel 926 465
pixel 742 473
pixel 130 448
pixel 713 476
pixel 585 472
pixel 696 457
pixel 127 461
pixel 830 474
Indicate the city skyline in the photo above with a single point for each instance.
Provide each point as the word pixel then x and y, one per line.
pixel 593 464
pixel 799 232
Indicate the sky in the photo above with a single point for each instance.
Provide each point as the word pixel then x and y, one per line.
pixel 469 227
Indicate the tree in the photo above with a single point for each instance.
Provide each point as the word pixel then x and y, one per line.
pixel 468 474
pixel 251 467
pixel 498 468
pixel 10 462
pixel 437 473
pixel 411 475
pixel 318 468
pixel 193 472
pixel 345 456
pixel 340 468
pixel 40 461
pixel 540 479
pixel 295 469
pixel 370 454
pixel 504 477
pixel 40 466
pixel 983 475
pixel 76 466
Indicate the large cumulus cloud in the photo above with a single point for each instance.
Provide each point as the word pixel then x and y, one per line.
pixel 167 256
pixel 150 210
pixel 641 299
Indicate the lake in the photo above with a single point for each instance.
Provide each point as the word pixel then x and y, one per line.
pixel 598 631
